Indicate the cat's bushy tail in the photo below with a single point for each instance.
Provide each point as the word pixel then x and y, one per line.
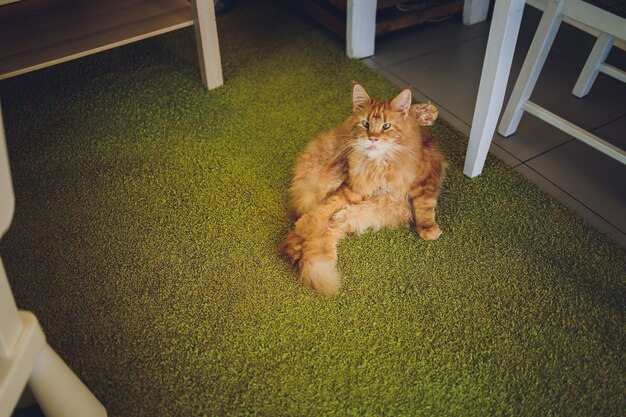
pixel 312 250
pixel 319 274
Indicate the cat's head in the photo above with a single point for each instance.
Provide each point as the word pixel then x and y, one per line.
pixel 380 126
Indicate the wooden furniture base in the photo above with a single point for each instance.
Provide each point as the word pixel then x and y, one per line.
pixel 333 13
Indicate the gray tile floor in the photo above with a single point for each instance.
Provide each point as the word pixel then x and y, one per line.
pixel 442 62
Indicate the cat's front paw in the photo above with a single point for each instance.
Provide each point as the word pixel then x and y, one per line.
pixel 429 233
pixel 341 220
pixel 425 113
pixel 340 216
pixel 291 247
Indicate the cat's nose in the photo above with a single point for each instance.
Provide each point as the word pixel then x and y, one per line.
pixel 373 139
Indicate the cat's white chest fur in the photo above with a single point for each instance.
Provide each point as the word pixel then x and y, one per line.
pixel 378 178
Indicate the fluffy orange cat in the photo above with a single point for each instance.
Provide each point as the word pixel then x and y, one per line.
pixel 376 169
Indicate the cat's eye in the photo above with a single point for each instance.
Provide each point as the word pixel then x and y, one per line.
pixel 386 126
pixel 366 124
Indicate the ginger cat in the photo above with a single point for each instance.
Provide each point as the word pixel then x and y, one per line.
pixel 375 169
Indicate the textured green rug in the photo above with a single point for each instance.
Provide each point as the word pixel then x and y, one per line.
pixel 149 211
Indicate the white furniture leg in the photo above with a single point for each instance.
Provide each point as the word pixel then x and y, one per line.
pixel 360 28
pixel 505 25
pixel 25 356
pixel 10 325
pixel 537 54
pixel 475 11
pixel 361 24
pixel 207 43
pixel 17 363
pixel 58 390
pixel 590 71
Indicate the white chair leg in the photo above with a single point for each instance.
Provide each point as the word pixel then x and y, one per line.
pixel 24 354
pixel 590 71
pixel 58 390
pixel 10 324
pixel 536 57
pixel 27 399
pixel 505 24
pixel 16 365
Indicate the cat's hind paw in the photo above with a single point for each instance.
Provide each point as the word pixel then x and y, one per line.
pixel 429 233
pixel 291 247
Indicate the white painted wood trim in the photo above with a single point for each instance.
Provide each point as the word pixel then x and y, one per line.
pixel 360 28
pixel 505 25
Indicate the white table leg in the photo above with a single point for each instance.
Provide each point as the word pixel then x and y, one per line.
pixel 505 25
pixel 361 28
pixel 207 43
pixel 475 11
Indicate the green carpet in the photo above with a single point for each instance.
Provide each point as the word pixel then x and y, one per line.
pixel 148 215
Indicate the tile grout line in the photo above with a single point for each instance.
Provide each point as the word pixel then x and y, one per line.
pixel 607 123
pixel 386 66
pixel 570 140
pixel 520 162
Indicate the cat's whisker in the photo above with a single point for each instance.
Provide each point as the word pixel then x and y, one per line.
pixel 340 136
pixel 408 151
pixel 341 153
pixel 414 158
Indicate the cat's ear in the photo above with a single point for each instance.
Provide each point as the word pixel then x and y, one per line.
pixel 360 99
pixel 402 102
